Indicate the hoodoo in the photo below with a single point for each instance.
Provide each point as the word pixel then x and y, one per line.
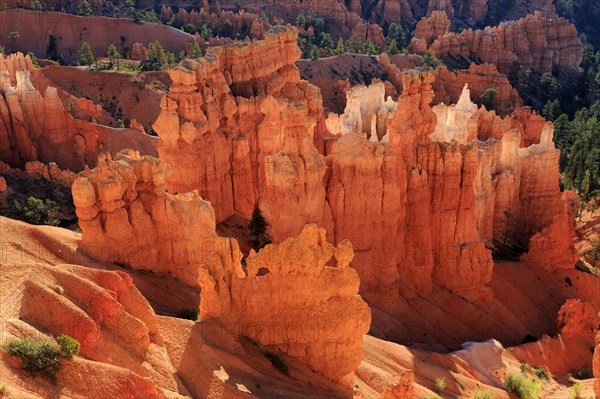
pixel 383 199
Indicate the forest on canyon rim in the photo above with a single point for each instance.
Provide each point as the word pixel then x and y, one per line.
pixel 301 199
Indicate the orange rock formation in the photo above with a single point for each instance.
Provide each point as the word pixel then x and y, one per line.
pixel 127 216
pixel 299 297
pixel 73 30
pixel 36 126
pixel 597 366
pixel 448 87
pixel 239 125
pixel 533 41
pixel 466 172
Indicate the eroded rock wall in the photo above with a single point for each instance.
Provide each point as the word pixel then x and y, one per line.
pixel 448 86
pixel 238 125
pixel 533 41
pixel 36 126
pixel 128 217
pixel 424 207
pixel 303 285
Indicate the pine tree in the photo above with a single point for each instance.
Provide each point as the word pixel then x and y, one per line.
pixel 430 61
pixel 13 36
pixel 182 56
pixel 86 55
pixel 156 60
pixel 113 56
pixel 354 44
pixel 327 43
pixel 392 48
pixel 206 32
pixel 340 48
pixel 170 58
pixel 258 230
pixel 487 98
pixel 370 48
pixel 36 5
pixel 301 20
pixel 197 50
pixel 85 8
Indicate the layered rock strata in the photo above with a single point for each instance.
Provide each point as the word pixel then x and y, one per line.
pixel 128 217
pixel 533 41
pixel 448 86
pixel 299 297
pixel 36 126
pixel 238 125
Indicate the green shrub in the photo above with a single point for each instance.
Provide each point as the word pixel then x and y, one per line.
pixel 440 384
pixel 522 386
pixel 4 391
pixel 36 211
pixel 277 362
pixel 37 357
pixel 460 383
pixel 69 347
pixel 576 390
pixel 524 368
pixel 482 394
pixel 541 373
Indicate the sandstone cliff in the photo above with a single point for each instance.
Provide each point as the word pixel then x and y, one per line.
pixel 36 126
pixel 302 286
pixel 533 41
pixel 128 217
pixel 597 366
pixel 466 171
pixel 448 87
pixel 72 30
pixel 238 126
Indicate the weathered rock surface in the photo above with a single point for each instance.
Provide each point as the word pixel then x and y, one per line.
pixel 238 126
pixel 371 32
pixel 403 389
pixel 466 171
pixel 533 41
pixel 578 320
pixel 302 286
pixel 128 217
pixel 448 87
pixel 366 113
pixel 596 366
pixel 73 30
pixel 36 126
pixel 428 29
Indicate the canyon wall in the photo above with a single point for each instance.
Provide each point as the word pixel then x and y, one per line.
pixel 448 86
pixel 238 126
pixel 596 366
pixel 70 31
pixel 533 41
pixel 423 207
pixel 423 193
pixel 36 126
pixel 299 297
pixel 127 217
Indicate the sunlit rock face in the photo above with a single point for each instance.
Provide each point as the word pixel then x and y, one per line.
pixel 238 126
pixel 128 217
pixel 36 126
pixel 423 205
pixel 534 41
pixel 299 297
pixel 366 113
